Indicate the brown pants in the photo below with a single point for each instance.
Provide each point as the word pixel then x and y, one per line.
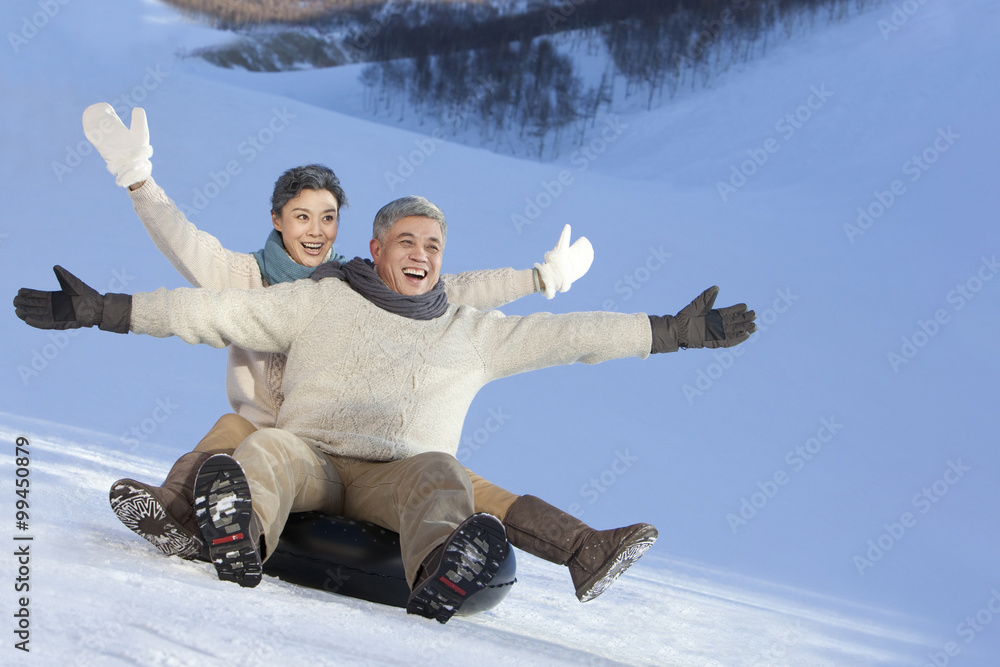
pixel 424 498
pixel 226 435
pixel 231 430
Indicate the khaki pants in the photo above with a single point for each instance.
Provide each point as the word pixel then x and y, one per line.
pixel 226 435
pixel 423 498
pixel 231 430
pixel 491 498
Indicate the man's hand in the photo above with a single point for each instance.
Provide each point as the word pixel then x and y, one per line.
pixel 700 325
pixel 125 150
pixel 75 305
pixel 565 263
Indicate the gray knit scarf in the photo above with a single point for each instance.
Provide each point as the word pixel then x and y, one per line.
pixel 361 276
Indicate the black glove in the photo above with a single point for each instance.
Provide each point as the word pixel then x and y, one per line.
pixel 699 325
pixel 76 305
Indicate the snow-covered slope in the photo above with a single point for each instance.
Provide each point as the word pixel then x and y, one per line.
pixel 824 494
pixel 99 596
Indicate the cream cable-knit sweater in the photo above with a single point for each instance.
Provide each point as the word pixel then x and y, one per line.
pixel 364 383
pixel 253 379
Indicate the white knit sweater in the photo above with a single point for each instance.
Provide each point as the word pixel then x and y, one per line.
pixel 364 383
pixel 253 379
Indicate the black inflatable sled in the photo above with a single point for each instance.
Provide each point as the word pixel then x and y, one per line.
pixel 361 560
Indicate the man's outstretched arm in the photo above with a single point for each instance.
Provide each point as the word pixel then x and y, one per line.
pixel 261 320
pixel 519 344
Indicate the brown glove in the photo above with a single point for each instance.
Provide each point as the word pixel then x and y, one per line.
pixel 700 325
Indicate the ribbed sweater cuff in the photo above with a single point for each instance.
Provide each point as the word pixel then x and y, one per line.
pixel 150 193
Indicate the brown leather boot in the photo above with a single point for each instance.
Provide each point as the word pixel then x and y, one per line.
pixel 164 515
pixel 595 558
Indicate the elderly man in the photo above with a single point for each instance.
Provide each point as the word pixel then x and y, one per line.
pixel 379 445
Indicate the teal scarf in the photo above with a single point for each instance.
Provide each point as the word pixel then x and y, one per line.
pixel 276 266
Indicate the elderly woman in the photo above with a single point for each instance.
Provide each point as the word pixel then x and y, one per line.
pixel 305 208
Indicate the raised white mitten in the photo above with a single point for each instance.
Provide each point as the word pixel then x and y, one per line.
pixel 565 263
pixel 125 150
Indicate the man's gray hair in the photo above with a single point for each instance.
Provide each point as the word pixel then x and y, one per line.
pixel 404 207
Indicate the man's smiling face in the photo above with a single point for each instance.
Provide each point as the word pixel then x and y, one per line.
pixel 409 259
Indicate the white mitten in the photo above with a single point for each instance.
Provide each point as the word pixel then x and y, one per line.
pixel 126 150
pixel 565 263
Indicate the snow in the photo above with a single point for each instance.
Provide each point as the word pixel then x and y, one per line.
pixel 100 596
pixel 854 432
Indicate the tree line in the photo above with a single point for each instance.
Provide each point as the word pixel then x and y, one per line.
pixel 429 59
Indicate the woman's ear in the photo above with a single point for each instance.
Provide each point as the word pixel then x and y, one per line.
pixel 276 221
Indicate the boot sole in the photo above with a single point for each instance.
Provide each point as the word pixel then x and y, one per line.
pixel 224 512
pixel 472 557
pixel 145 516
pixel 629 551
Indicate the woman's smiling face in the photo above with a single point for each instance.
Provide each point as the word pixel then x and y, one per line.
pixel 308 226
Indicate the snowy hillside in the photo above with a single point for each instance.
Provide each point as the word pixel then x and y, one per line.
pixel 101 597
pixel 824 493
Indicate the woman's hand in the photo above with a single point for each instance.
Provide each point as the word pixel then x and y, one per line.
pixel 125 150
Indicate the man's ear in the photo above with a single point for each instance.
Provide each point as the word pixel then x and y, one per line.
pixel 376 249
